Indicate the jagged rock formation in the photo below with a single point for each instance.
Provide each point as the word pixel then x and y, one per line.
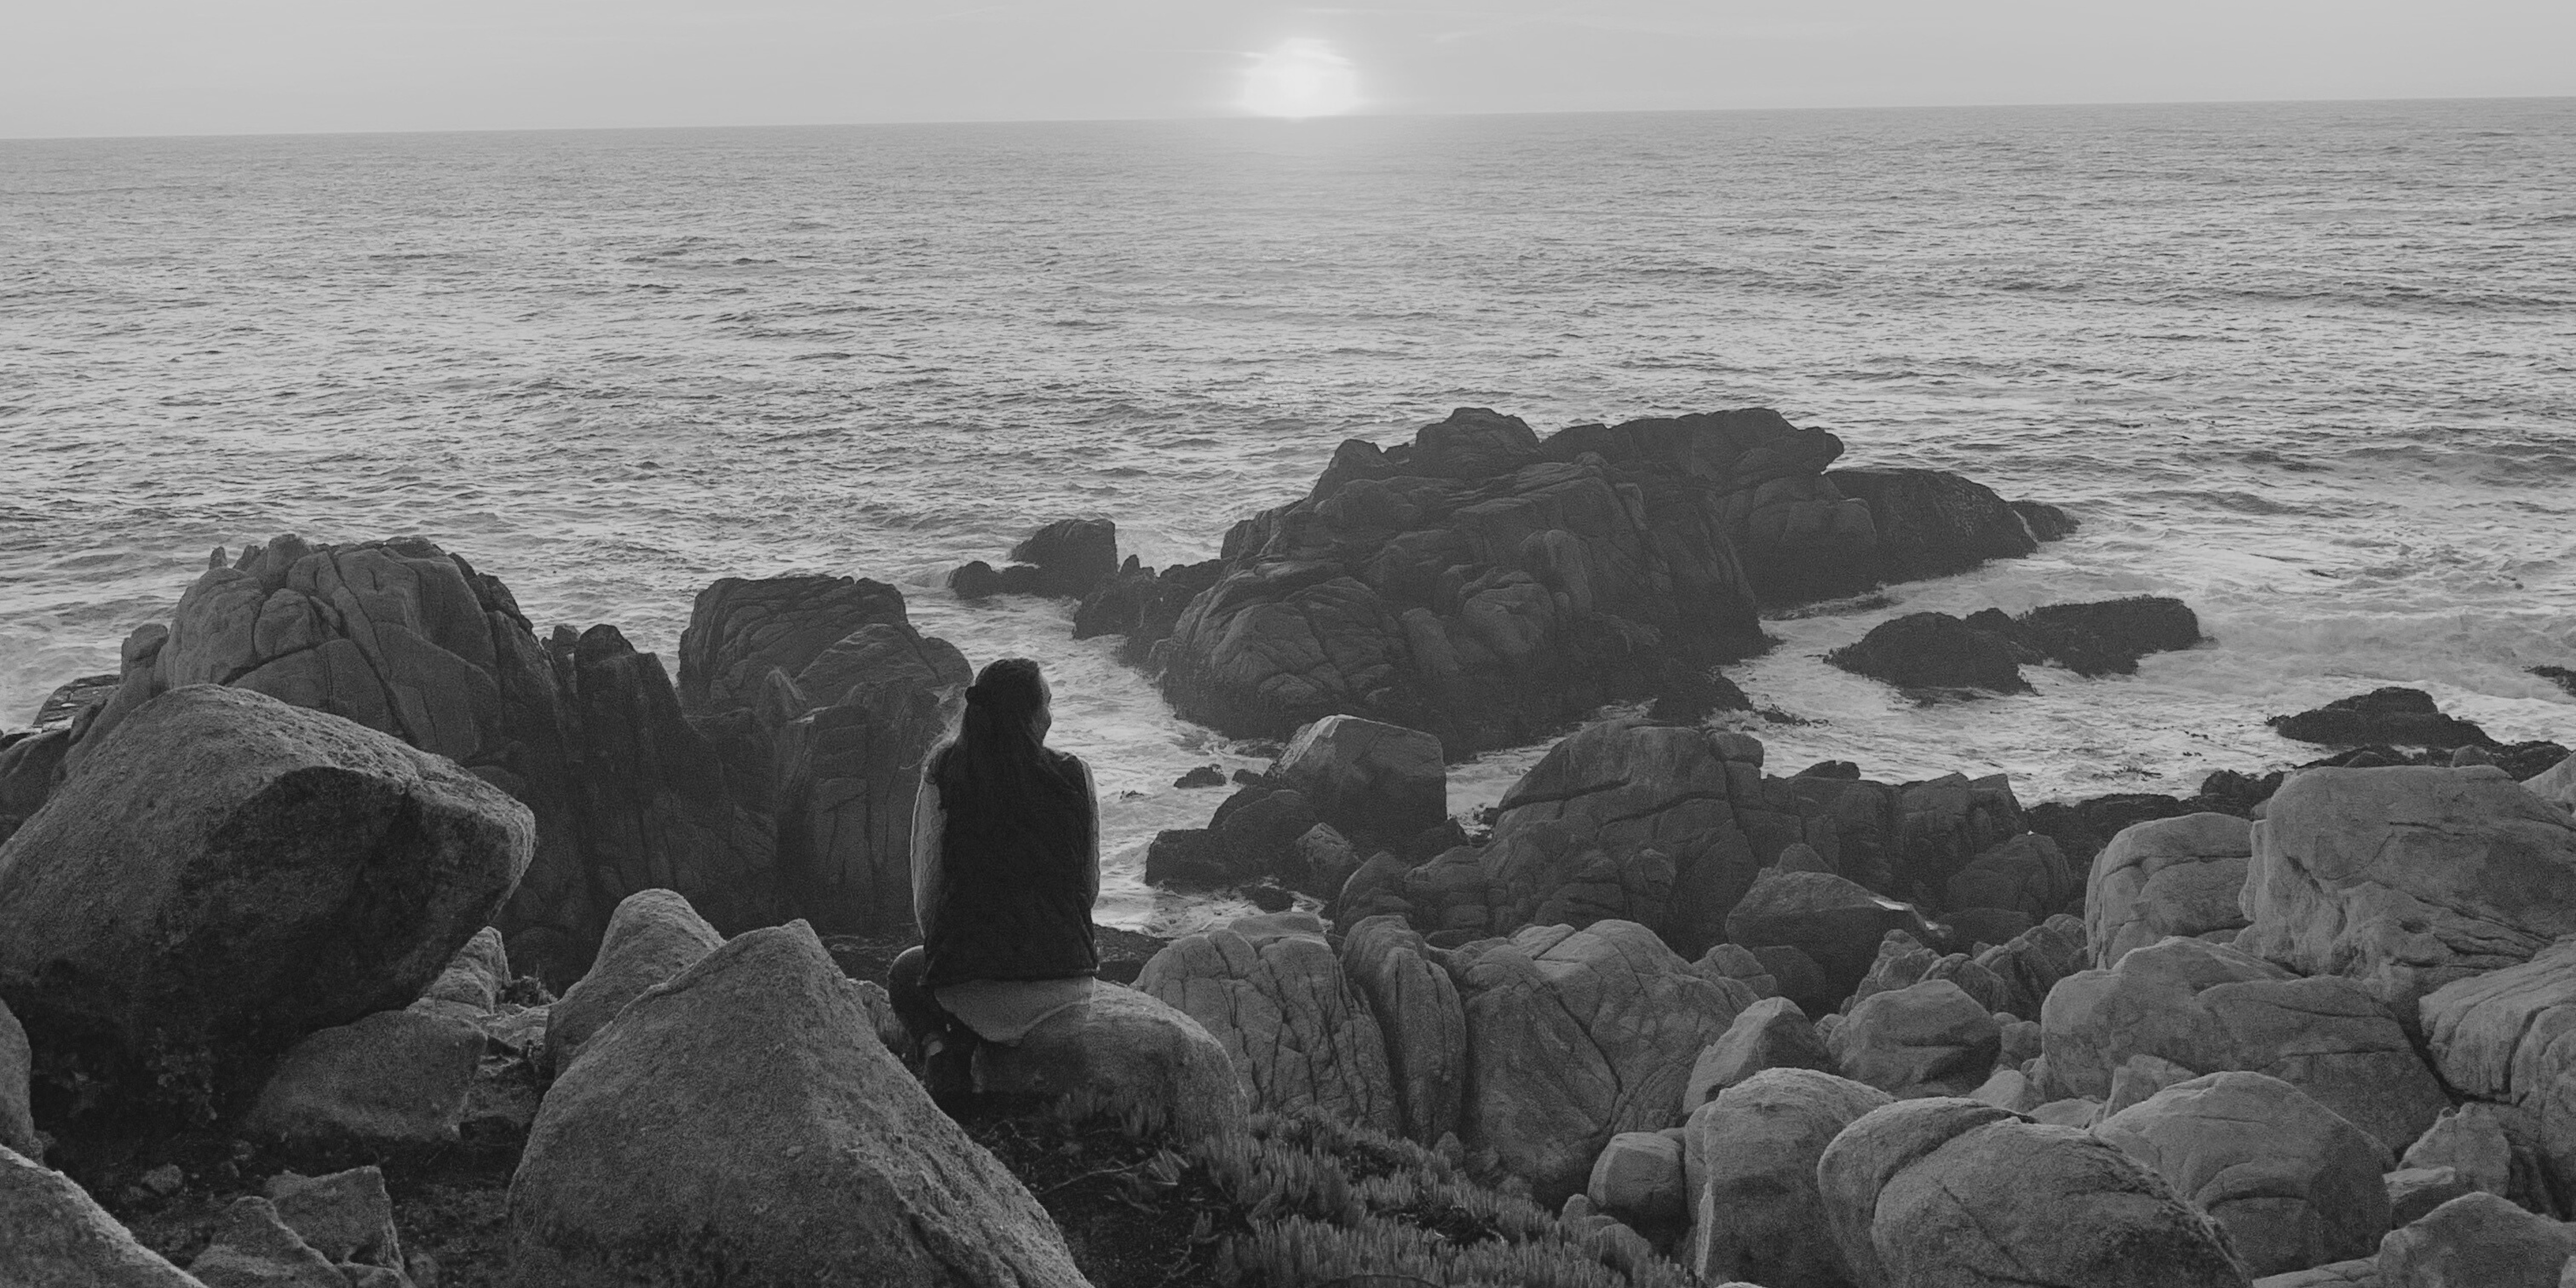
pixel 283 872
pixel 773 780
pixel 1409 990
pixel 1271 991
pixel 1487 586
pixel 1934 651
pixel 2405 717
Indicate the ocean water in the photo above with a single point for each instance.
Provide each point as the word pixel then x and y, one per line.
pixel 2311 367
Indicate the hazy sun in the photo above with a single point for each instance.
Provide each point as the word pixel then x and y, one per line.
pixel 1299 78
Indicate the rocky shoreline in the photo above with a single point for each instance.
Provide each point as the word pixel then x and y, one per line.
pixel 356 934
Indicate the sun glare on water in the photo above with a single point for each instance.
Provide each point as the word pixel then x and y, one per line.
pixel 1300 78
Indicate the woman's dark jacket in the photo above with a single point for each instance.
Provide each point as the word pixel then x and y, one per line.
pixel 1013 879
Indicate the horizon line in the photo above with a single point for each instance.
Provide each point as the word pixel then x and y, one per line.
pixel 1283 122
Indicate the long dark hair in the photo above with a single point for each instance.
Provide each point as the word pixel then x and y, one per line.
pixel 996 764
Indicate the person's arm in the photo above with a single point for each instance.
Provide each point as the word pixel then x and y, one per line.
pixel 1092 790
pixel 929 822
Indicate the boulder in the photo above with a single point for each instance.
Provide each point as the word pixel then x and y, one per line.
pixel 1933 651
pixel 392 1080
pixel 2032 962
pixel 2027 874
pixel 653 936
pixel 2556 785
pixel 252 1248
pixel 1125 1055
pixel 1073 556
pixel 1750 1159
pixel 2381 717
pixel 2361 1272
pixel 1485 594
pixel 664 1156
pixel 17 1062
pixel 2470 1141
pixel 1837 923
pixel 2507 1040
pixel 1944 823
pixel 1420 1017
pixel 2170 876
pixel 741 629
pixel 1929 1039
pixel 2008 1088
pixel 1272 993
pixel 59 1237
pixel 347 1216
pixel 1770 1034
pixel 2139 1078
pixel 1574 1036
pixel 2413 1192
pixel 289 871
pixel 2212 1009
pixel 1956 1192
pixel 2292 1183
pixel 2408 878
pixel 1932 523
pixel 1639 1179
pixel 2477 1241
pixel 1366 778
pixel 2107 637
pixel 472 983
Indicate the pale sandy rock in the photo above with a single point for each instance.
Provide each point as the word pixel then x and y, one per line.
pixel 2140 1077
pixel 1639 1178
pixel 2408 878
pixel 288 871
pixel 58 1237
pixel 2477 1241
pixel 2008 1089
pixel 393 1079
pixel 2413 1192
pixel 1772 1033
pixel 1575 1036
pixel 664 1156
pixel 471 985
pixel 348 1216
pixel 1750 1165
pixel 1930 1039
pixel 2075 1111
pixel 2210 1008
pixel 252 1248
pixel 2292 1183
pixel 2508 1038
pixel 1954 1192
pixel 2167 876
pixel 2361 1272
pixel 2471 1140
pixel 17 1127
pixel 1126 1055
pixel 653 936
pixel 1273 994
pixel 1419 1016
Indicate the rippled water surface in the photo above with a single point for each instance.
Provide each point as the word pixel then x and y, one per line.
pixel 2311 367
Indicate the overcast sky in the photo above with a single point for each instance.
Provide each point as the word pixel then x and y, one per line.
pixel 87 67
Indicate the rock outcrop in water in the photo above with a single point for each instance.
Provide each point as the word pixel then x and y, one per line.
pixel 1488 586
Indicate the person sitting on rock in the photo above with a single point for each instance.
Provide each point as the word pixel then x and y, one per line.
pixel 1005 866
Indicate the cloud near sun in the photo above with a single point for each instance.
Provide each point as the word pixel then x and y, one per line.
pixel 1300 77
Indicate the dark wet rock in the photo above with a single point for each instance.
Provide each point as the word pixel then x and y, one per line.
pixel 1489 608
pixel 2406 717
pixel 1799 978
pixel 2027 873
pixel 980 580
pixel 1934 651
pixel 1375 783
pixel 1203 776
pixel 1842 769
pixel 1834 922
pixel 1932 523
pixel 290 871
pixel 2106 637
pixel 664 1155
pixel 2561 676
pixel 65 704
pixel 2045 522
pixel 1073 556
